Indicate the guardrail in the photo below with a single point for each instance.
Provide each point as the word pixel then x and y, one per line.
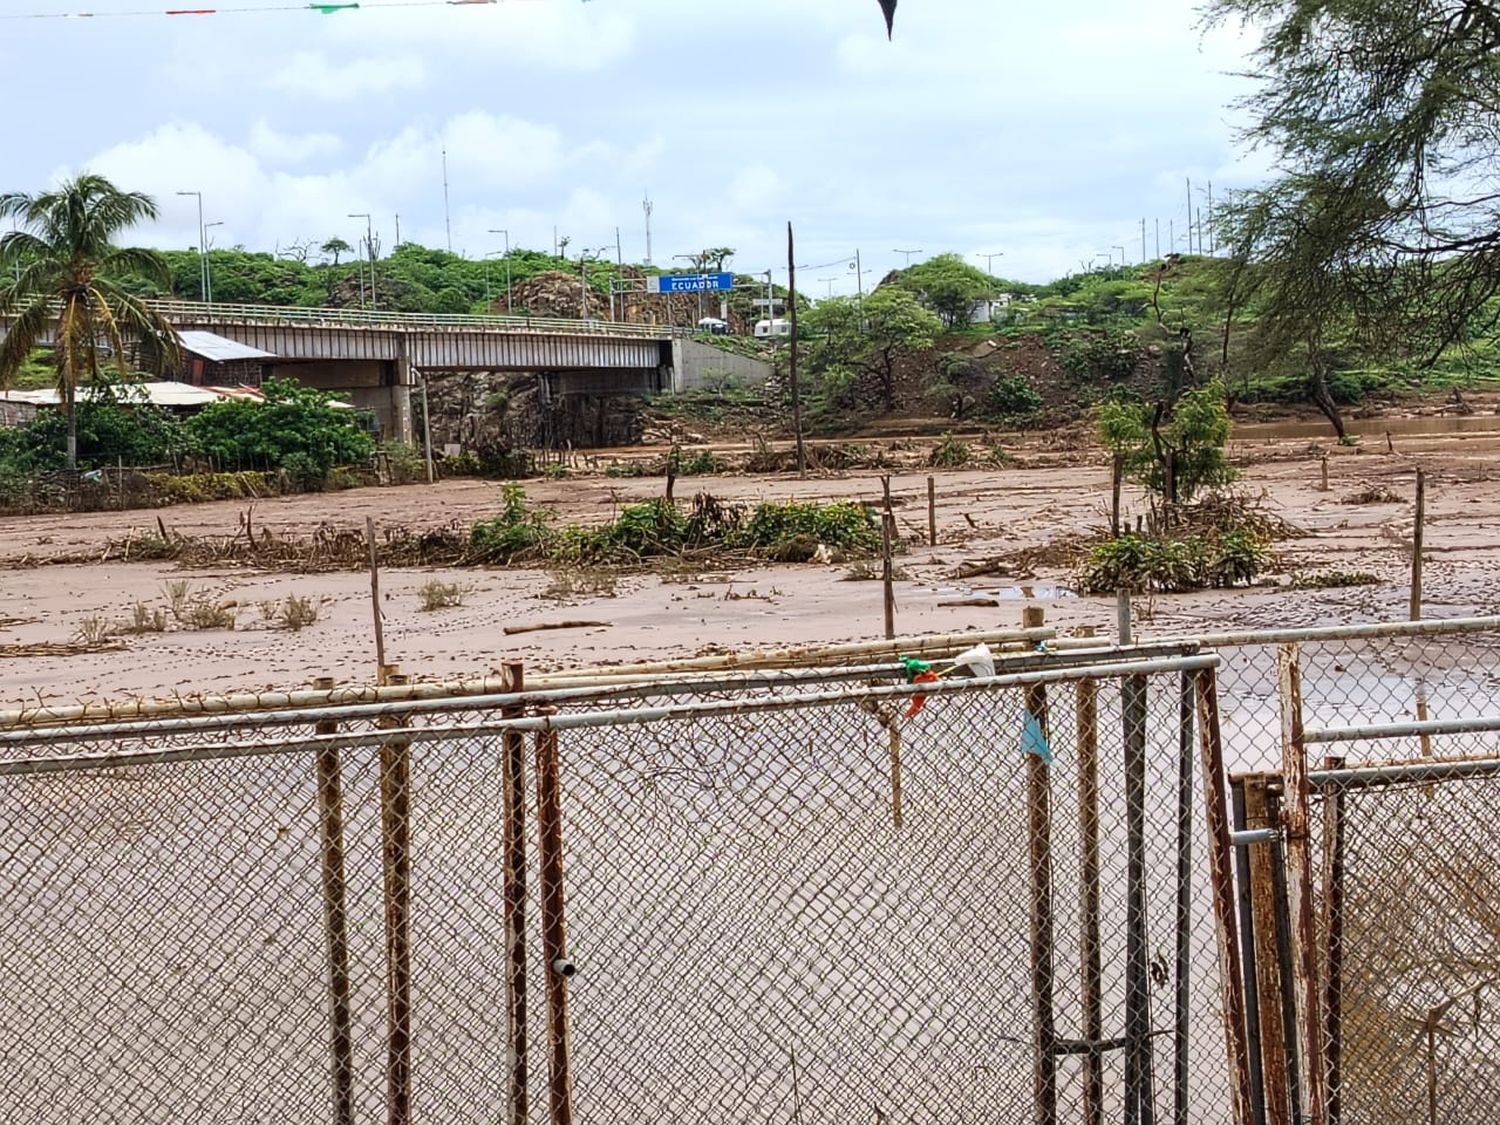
pixel 195 312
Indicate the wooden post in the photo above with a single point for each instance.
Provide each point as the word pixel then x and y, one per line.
pixel 1117 477
pixel 1324 487
pixel 554 924
pixel 1181 1047
pixel 1039 835
pixel 1417 530
pixel 380 667
pixel 513 767
pixel 335 920
pixel 893 734
pixel 1275 1050
pixel 1124 633
pixel 931 512
pixel 791 283
pixel 1091 967
pixel 1221 878
pixel 1333 936
pixel 395 820
pixel 427 433
pixel 1297 819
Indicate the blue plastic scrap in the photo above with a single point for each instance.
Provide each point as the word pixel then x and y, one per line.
pixel 1034 740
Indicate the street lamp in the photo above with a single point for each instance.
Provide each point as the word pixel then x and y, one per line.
pixel 1121 249
pixel 208 268
pixel 908 254
pixel 202 248
pixel 989 261
pixel 506 233
pixel 829 282
pixel 370 250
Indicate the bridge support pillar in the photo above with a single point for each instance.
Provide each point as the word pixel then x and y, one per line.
pixel 402 428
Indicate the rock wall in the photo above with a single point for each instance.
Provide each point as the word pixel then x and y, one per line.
pixel 489 414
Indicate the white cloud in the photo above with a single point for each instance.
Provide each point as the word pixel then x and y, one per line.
pixel 312 74
pixel 275 147
pixel 756 188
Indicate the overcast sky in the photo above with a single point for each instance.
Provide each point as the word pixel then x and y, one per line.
pixel 1043 131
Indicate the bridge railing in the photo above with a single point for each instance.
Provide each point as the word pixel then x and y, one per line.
pixel 196 312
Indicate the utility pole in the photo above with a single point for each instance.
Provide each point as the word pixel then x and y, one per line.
pixel 1143 240
pixel 506 233
pixel 370 250
pixel 648 207
pixel 619 276
pixel 859 277
pixel 208 262
pixel 398 232
pixel 1213 241
pixel 1158 238
pixel 1121 249
pixel 447 211
pixel 791 285
pixel 202 249
pixel 908 254
pixel 1190 214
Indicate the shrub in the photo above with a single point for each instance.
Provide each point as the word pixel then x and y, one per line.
pixel 144 619
pixel 1146 565
pixel 950 453
pixel 516 531
pixel 296 428
pixel 840 524
pixel 1012 398
pixel 94 630
pixel 1195 433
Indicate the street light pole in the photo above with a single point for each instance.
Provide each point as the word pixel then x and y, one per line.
pixel 208 268
pixel 370 250
pixel 908 254
pixel 989 261
pixel 506 233
pixel 202 249
pixel 1121 249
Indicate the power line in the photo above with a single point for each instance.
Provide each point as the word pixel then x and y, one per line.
pixel 325 9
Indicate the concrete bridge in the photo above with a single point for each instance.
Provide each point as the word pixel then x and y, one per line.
pixel 378 358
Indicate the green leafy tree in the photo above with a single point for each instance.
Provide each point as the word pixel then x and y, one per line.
pixel 1382 229
pixel 1177 456
pixel 335 248
pixel 296 428
pixel 870 337
pixel 69 283
pixel 949 286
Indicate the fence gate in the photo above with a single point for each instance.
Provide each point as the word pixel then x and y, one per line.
pixel 851 906
pixel 1369 902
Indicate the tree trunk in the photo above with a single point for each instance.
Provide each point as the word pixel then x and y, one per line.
pixel 1323 400
pixel 70 410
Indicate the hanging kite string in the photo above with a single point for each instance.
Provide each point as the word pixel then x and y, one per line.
pixel 256 9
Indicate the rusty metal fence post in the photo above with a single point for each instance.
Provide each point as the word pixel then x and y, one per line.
pixel 395 834
pixel 1043 968
pixel 1333 939
pixel 1140 1100
pixel 1091 968
pixel 559 968
pixel 1182 1011
pixel 513 771
pixel 335 919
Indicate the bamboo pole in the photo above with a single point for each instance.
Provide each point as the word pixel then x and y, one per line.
pixel 380 666
pixel 1417 535
pixel 931 512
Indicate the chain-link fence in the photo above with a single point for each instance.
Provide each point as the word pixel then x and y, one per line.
pixel 819 903
pixel 806 899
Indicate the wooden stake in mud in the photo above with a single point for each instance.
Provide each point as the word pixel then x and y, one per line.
pixel 558 967
pixel 1117 478
pixel 887 559
pixel 1417 529
pixel 513 767
pixel 395 821
pixel 1324 487
pixel 380 674
pixel 931 512
pixel 1039 815
pixel 335 920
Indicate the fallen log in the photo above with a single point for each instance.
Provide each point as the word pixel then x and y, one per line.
pixel 513 630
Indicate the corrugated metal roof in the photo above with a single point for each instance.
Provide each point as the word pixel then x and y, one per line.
pixel 218 349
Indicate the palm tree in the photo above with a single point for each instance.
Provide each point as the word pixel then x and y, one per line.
pixel 67 285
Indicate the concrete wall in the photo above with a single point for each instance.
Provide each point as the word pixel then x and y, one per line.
pixel 696 365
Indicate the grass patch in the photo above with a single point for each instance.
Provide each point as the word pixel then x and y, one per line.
pixel 1173 565
pixel 293 613
pixel 1334 580
pixel 437 594
pixel 95 630
pixel 583 582
pixel 950 453
pixel 145 619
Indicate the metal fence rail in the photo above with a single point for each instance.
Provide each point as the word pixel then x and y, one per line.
pixel 193 313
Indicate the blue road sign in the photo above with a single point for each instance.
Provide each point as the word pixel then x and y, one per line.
pixel 690 282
